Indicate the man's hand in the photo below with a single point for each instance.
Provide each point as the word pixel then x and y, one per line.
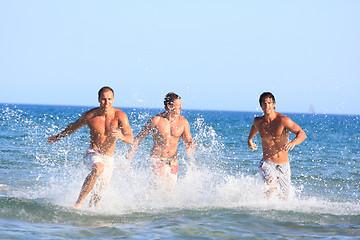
pixel 289 146
pixel 52 139
pixel 118 134
pixel 252 145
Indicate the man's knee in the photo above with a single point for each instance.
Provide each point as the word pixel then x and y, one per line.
pixel 98 168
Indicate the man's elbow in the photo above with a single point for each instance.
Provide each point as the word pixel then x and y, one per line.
pixel 304 135
pixel 301 136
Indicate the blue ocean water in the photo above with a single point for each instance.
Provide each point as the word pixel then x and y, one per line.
pixel 219 193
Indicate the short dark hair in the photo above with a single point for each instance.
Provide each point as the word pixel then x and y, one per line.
pixel 266 95
pixel 105 89
pixel 170 98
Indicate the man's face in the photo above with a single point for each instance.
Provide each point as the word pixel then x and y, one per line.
pixel 176 107
pixel 106 99
pixel 268 105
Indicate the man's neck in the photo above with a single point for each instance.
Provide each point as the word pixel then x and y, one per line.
pixel 270 117
pixel 169 115
pixel 105 112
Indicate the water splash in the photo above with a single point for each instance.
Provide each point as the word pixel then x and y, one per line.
pixel 54 174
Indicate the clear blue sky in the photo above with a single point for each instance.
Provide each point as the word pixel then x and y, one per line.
pixel 215 54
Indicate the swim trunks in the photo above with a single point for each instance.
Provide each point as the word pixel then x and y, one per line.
pixel 164 167
pixel 276 176
pixel 103 180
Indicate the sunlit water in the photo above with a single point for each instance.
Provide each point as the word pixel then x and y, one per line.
pixel 219 193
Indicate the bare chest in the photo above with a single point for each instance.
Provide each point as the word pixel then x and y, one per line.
pixel 272 131
pixel 169 130
pixel 103 125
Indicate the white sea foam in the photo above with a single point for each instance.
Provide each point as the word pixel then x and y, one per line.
pixel 198 188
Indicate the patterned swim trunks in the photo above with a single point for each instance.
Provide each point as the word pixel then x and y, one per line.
pixel 164 166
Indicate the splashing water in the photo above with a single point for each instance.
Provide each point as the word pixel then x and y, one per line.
pixel 220 176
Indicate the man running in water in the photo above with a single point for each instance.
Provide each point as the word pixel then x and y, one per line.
pixel 166 128
pixel 106 124
pixel 274 129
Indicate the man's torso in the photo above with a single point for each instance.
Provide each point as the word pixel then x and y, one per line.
pixel 166 135
pixel 274 136
pixel 101 129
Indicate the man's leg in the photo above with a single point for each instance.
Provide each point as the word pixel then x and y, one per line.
pixel 89 183
pixel 273 186
pixel 269 176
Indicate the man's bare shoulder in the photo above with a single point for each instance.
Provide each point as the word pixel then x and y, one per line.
pixel 157 118
pixel 285 121
pixel 258 119
pixel 90 113
pixel 86 117
pixel 282 118
pixel 183 120
pixel 119 113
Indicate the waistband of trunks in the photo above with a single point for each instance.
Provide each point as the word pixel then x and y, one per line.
pixel 169 161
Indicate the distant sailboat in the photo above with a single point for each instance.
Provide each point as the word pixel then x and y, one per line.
pixel 311 109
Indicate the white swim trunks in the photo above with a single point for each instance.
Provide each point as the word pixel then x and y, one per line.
pixel 276 176
pixel 103 180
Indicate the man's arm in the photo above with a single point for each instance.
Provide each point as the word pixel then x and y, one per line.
pixel 296 129
pixel 145 131
pixel 188 140
pixel 71 128
pixel 124 132
pixel 253 132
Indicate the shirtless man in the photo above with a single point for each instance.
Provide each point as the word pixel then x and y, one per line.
pixel 274 129
pixel 166 129
pixel 106 125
